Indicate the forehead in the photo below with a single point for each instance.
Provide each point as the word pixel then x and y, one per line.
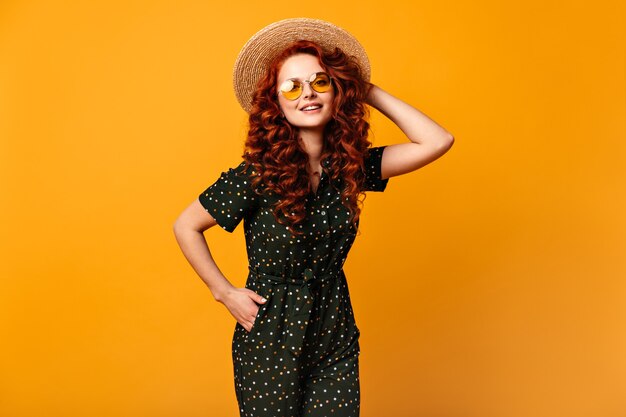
pixel 299 66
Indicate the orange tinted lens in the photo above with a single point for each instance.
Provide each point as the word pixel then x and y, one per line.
pixel 321 83
pixel 291 89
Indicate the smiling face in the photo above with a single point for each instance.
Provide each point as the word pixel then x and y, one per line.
pixel 312 110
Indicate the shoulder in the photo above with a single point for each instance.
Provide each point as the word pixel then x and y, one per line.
pixel 243 173
pixel 244 170
pixel 374 153
pixel 372 164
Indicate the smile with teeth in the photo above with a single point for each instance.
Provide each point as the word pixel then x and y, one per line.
pixel 312 107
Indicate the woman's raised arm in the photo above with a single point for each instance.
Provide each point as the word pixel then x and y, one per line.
pixel 429 140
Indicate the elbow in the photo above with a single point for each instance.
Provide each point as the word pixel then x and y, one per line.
pixel 446 143
pixel 176 227
pixel 449 140
pixel 181 229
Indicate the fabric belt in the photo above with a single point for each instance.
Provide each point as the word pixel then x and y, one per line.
pixel 300 312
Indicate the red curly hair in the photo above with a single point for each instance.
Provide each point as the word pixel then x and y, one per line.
pixel 273 148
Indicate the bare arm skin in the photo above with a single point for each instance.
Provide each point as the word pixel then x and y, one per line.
pixel 429 141
pixel 189 231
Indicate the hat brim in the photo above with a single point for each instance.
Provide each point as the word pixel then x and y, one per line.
pixel 257 54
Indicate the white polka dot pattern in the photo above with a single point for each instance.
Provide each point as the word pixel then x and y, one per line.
pixel 301 356
pixel 373 181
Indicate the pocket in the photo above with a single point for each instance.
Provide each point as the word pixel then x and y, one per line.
pixel 250 336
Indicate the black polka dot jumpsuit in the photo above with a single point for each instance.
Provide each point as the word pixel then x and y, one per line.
pixel 301 356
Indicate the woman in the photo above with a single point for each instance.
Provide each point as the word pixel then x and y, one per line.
pixel 307 161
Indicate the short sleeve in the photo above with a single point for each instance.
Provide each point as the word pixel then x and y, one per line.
pixel 373 164
pixel 230 198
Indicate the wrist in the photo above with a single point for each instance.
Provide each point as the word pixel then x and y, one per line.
pixel 370 98
pixel 221 294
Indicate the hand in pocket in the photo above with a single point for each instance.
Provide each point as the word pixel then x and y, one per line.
pixel 242 303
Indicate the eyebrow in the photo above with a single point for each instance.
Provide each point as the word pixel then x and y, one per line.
pixel 306 78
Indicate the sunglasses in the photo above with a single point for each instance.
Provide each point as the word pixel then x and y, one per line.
pixel 292 88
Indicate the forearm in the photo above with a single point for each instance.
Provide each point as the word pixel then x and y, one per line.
pixel 197 252
pixel 418 127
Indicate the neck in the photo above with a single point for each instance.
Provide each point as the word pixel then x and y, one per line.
pixel 312 142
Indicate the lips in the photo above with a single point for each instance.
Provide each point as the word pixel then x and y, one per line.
pixel 311 107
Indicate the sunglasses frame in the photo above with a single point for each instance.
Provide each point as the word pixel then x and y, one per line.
pixel 296 81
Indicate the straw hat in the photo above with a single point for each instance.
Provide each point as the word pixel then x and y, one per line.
pixel 257 54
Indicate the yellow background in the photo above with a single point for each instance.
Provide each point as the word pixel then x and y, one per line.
pixel 490 283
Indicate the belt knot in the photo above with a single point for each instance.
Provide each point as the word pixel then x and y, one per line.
pixel 300 311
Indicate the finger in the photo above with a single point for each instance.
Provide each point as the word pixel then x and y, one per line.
pixel 257 297
pixel 250 325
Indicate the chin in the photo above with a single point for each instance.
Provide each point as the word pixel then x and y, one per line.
pixel 317 123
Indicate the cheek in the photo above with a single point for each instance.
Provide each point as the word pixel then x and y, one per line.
pixel 285 105
pixel 331 103
pixel 330 96
pixel 281 105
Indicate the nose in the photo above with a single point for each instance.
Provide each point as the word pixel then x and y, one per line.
pixel 307 91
